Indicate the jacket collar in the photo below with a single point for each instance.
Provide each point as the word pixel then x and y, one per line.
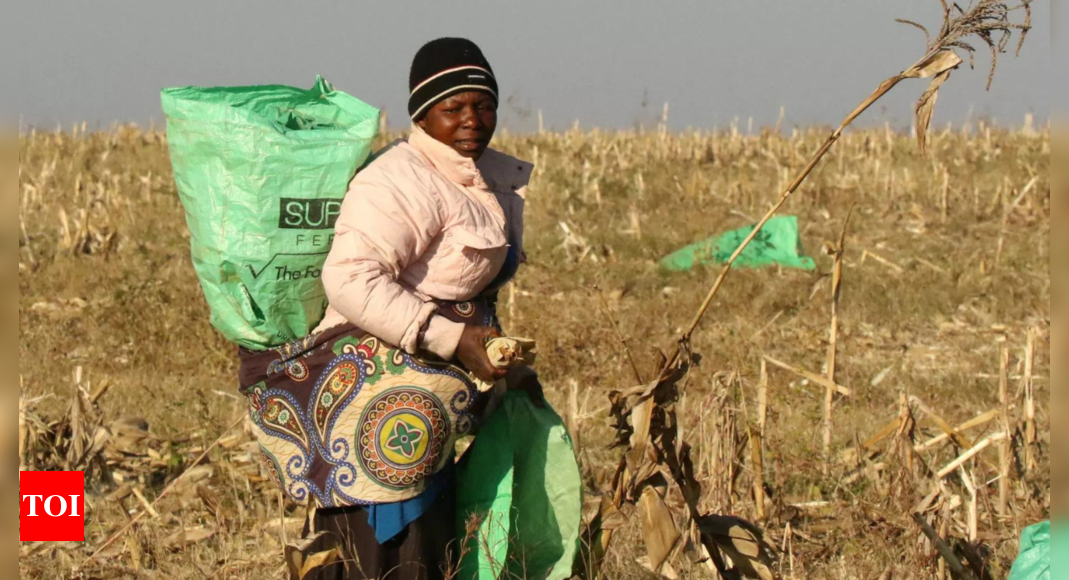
pixel 494 170
pixel 453 165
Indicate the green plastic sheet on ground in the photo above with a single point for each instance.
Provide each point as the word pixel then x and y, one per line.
pixel 520 482
pixel 261 172
pixel 1033 563
pixel 777 243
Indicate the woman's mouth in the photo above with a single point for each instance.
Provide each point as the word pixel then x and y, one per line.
pixel 470 144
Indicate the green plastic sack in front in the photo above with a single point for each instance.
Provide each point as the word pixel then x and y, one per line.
pixel 777 243
pixel 520 483
pixel 261 172
pixel 1034 560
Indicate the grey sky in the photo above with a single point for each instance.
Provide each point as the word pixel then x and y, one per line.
pixel 103 61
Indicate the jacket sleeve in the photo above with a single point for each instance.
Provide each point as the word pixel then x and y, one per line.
pixel 386 223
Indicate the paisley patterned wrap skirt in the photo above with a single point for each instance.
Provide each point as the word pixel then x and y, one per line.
pixel 344 419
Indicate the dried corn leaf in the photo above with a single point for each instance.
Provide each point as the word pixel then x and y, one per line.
pixel 312 554
pixel 641 419
pixel 928 502
pixel 936 64
pixel 181 539
pixel 938 67
pixel 194 476
pixel 211 503
pixel 624 404
pixel 136 425
pixel 742 543
pixel 130 437
pixel 320 560
pixel 666 571
pixel 133 548
pixel 231 442
pixel 659 528
pixel 926 108
pixel 120 494
pixel 77 421
pixel 290 526
pixel 614 519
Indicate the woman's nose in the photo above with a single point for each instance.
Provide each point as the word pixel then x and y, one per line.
pixel 470 118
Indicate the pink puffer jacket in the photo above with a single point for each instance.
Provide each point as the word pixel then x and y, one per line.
pixel 422 222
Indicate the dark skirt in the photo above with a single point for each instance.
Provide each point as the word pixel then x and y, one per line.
pixel 425 550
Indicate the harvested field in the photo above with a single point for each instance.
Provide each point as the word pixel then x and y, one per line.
pixel 945 294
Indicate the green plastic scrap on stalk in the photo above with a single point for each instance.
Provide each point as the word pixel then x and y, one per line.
pixel 778 243
pixel 261 172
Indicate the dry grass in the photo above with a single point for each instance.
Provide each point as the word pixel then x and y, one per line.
pixel 947 256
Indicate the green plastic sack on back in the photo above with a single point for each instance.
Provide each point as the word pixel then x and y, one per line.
pixel 777 243
pixel 520 483
pixel 261 172
pixel 1034 561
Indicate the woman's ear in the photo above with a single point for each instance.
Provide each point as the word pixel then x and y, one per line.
pixel 422 122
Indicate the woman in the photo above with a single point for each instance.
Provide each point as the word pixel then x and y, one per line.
pixel 360 417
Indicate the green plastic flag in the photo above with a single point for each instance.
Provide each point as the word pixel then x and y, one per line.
pixel 1034 560
pixel 520 483
pixel 777 243
pixel 261 172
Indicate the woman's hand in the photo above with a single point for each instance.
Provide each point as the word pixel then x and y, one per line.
pixel 471 352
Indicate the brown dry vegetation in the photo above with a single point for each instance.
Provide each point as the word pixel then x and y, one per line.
pixel 947 257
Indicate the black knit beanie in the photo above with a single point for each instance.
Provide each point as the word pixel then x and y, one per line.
pixel 446 67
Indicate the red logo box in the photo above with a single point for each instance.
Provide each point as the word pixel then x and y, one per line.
pixel 52 506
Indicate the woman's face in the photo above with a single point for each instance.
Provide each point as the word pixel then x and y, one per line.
pixel 466 122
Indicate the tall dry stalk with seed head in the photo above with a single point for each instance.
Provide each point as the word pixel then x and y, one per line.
pixel 634 411
pixel 988 20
